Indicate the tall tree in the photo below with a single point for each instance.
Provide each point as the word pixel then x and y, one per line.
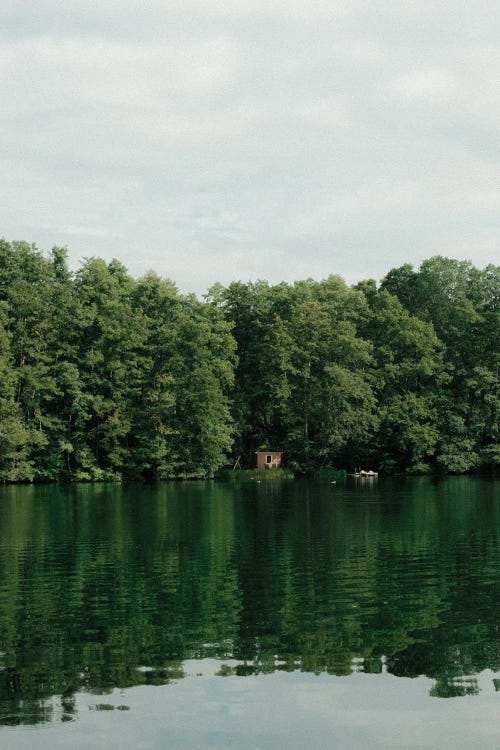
pixel 462 302
pixel 203 369
pixel 408 375
pixel 15 465
pixel 112 356
pixel 329 402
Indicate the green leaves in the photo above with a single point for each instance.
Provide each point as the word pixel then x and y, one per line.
pixel 462 304
pixel 104 377
pixel 14 437
pixel 303 375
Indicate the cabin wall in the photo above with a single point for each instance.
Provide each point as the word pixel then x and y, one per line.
pixel 263 461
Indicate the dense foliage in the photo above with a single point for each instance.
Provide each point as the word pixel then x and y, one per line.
pixel 403 377
pixel 104 377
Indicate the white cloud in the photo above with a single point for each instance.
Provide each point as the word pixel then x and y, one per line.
pixel 84 231
pixel 277 140
pixel 424 83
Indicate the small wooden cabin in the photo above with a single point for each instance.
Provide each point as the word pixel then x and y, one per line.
pixel 268 459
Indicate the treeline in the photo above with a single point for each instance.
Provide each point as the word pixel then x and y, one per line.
pixel 104 377
pixel 402 377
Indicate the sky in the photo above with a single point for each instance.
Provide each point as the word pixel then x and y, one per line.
pixel 291 710
pixel 242 140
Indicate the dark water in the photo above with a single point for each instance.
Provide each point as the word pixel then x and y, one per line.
pixel 279 615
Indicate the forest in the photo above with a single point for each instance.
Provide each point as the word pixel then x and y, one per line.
pixel 105 377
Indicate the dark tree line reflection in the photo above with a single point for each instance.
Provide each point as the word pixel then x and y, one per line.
pixel 108 586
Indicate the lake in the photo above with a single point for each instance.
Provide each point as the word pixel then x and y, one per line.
pixel 302 614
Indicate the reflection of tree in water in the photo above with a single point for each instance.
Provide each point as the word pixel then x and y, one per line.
pixel 105 587
pixel 454 688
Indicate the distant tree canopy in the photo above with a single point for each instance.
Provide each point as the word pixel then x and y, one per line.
pixel 103 376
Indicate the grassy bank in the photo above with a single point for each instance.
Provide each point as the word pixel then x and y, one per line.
pixel 256 475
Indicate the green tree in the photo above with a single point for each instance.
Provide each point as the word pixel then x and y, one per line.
pixel 329 402
pixel 15 465
pixel 112 356
pixel 461 302
pixel 203 370
pixel 408 375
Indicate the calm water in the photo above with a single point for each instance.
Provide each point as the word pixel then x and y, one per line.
pixel 265 616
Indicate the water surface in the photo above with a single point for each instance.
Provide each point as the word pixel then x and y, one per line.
pixel 273 615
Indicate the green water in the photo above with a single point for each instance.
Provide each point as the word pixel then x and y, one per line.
pixel 280 615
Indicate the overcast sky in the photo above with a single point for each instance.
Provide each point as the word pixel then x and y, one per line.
pixel 241 139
